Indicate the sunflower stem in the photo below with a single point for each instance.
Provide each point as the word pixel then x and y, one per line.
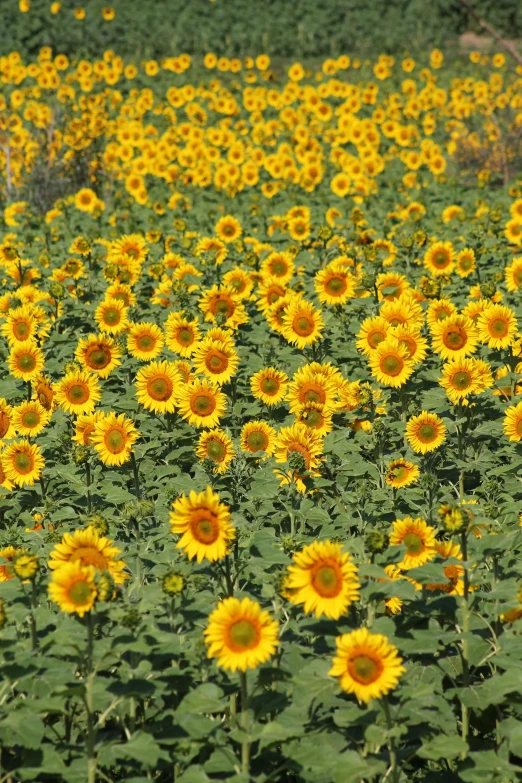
pixel 245 747
pixel 32 619
pixel 395 774
pixel 42 487
pixel 88 483
pixel 89 703
pixel 136 476
pixel 465 636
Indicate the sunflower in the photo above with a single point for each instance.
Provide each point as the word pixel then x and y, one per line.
pixel 373 331
pixel 22 463
pixel 134 246
pixel 270 291
pixel 455 337
pixel 324 579
pixel 181 334
pixel 90 549
pixel 145 341
pixel 411 338
pixel 25 361
pixel 439 310
pixel 298 439
pixel 221 302
pixel 215 248
pixel 84 427
pixel 439 259
pixel 8 553
pixel 122 292
pixel 460 378
pixel 278 265
pixel 391 285
pixel 302 323
pixel 257 436
pixel 99 354
pixel 228 229
pixel 157 385
pixel 77 392
pixel 497 326
pixel 7 429
pixel 404 310
pixel 240 281
pixel 334 285
pixel 513 275
pixel 417 537
pixel 216 359
pixel 425 432
pixel 391 364
pixel 512 423
pixel 43 392
pixel 73 588
pixel 454 573
pixel 111 316
pixel 401 473
pixel 20 325
pixel 30 418
pixel 201 403
pixel 315 418
pixel 466 262
pixel 204 525
pixel 309 387
pixel 240 634
pixel 366 664
pixel 113 438
pixel 216 446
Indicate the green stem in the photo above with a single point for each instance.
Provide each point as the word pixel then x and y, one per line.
pixel 42 487
pixel 465 637
pixel 136 476
pixel 228 577
pixel 245 747
pixel 391 743
pixel 88 483
pixel 89 702
pixel 32 620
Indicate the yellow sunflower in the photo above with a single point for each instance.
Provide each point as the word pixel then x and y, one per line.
pixel 90 549
pixel 77 392
pixel 157 386
pixel 43 392
pixel 240 634
pixel 324 579
pixel 391 363
pixel 513 275
pixel 466 262
pixel 302 323
pixel 315 418
pixel 228 229
pixel 417 537
pixel 439 259
pixel 366 664
pixel 460 378
pixel 99 354
pixel 204 525
pixel 201 403
pixel 278 265
pixel 298 439
pixel 221 302
pixel 145 341
pixel 111 316
pixel 257 436
pixel 22 463
pixel 216 446
pixel 20 325
pixel 411 338
pixel 497 326
pixel 425 432
pixel 7 429
pixel 113 438
pixel 309 387
pixel 512 423
pixel 73 588
pixel 334 285
pixel 401 473
pixel 455 337
pixel 216 359
pixel 269 385
pixel 30 418
pixel 373 331
pixel 181 334
pixel 25 361
pixel 84 427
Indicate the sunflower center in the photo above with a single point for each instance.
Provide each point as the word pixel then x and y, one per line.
pixel 160 388
pixel 205 528
pixel 364 669
pixel 399 473
pixel 269 386
pixel 426 433
pixel 375 338
pixel 78 393
pixel 498 327
pixel 216 451
pixel 273 295
pixel 98 357
pixel 30 420
pixel 223 307
pixel 462 380
pixel 26 362
pixel 257 441
pixel 336 286
pixel 413 543
pixel 313 419
pixel 216 362
pixel 145 342
pixel 89 555
pixel 455 338
pixel 115 441
pixel 452 573
pixel 5 423
pixel 79 593
pixel 327 580
pixel 23 463
pixel 185 336
pixel 21 330
pixel 112 316
pixel 278 268
pixel 466 263
pixel 440 259
pixel 243 635
pixel 202 404
pixel 313 395
pixel 392 365
pixel 228 230
pixel 303 325
pixel 441 315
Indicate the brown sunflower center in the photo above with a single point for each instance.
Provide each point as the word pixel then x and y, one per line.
pixel 312 394
pixel 269 386
pixel 455 338
pixel 243 635
pixel 498 327
pixel 216 450
pixel 204 527
pixel 202 404
pixel 257 441
pixel 21 330
pixel 26 362
pixel 30 419
pixel 336 285
pixel 185 336
pixel 313 419
pixel 97 357
pixel 160 388
pixel 462 380
pixel 440 259
pixel 278 268
pixel 145 343
pixel 216 362
pixel 303 325
pixel 374 338
pixel 23 463
pixel 78 393
pixel 392 365
pixel 115 441
pixel 112 316
pixel 399 473
pixel 413 543
pixel 327 580
pixel 89 555
pixel 427 433
pixel 79 593
pixel 223 307
pixel 228 230
pixel 364 669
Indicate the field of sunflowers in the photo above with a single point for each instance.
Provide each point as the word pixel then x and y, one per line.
pixel 260 419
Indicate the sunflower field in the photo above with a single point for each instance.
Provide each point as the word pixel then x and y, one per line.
pixel 260 418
